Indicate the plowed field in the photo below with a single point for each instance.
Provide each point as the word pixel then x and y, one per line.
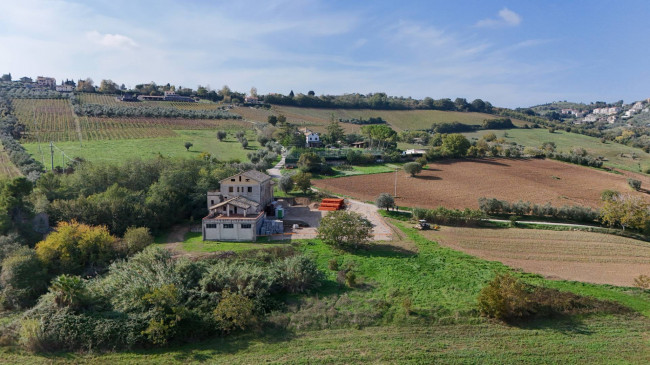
pixel 567 255
pixel 459 184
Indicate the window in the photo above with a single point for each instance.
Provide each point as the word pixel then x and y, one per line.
pixel 228 225
pixel 230 189
pixel 245 225
pixel 211 202
pixel 232 179
pixel 250 189
pixel 211 225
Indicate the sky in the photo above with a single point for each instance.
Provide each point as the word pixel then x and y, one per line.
pixel 511 53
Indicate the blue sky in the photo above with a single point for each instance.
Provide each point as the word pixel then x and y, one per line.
pixel 512 53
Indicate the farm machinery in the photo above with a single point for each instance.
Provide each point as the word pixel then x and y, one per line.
pixel 423 225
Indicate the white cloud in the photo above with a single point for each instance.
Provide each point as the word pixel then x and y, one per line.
pixel 111 40
pixel 506 18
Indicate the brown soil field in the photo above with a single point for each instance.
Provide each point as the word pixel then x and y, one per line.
pixel 566 255
pixel 459 183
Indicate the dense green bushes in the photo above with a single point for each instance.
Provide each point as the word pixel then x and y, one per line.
pixel 570 212
pixel 442 215
pixel 371 120
pixel 153 299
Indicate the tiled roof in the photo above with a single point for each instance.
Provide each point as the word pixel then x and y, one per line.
pixel 256 175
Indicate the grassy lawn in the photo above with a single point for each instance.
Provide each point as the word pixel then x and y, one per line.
pixel 194 243
pixel 566 141
pixel 122 149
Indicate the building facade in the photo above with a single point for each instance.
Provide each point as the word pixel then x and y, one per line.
pixel 237 210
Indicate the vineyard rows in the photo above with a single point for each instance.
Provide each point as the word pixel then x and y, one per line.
pixel 53 120
pixel 88 98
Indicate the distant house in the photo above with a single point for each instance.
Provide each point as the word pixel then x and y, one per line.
pixel 611 119
pixel 251 99
pixel 128 97
pixel 46 82
pixel 237 211
pixel 172 96
pixel 359 144
pixel 312 139
pixel 65 87
pixel 26 80
pixel 591 118
pixel 414 153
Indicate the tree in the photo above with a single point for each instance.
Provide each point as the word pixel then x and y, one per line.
pixel 626 211
pixel 282 119
pixel 188 145
pixel 385 200
pixel 286 183
pixel 108 87
pixel 73 247
pixel 69 291
pixel 221 135
pixel 302 181
pixel 309 162
pixel 455 145
pixel 310 92
pixel 634 184
pixel 291 94
pixel 135 240
pixel 272 119
pixel 244 142
pixel 335 132
pixel 345 230
pixel 412 168
pixel 86 85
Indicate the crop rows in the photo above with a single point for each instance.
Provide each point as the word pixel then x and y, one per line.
pixel 53 120
pixel 46 119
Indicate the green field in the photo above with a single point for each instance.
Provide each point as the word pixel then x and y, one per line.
pixel 374 323
pixel 123 149
pixel 566 141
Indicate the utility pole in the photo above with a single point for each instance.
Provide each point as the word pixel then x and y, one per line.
pixel 395 194
pixel 52 154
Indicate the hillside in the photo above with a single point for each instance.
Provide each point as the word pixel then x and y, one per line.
pixel 400 120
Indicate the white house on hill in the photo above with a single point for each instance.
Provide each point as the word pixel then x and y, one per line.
pixel 237 211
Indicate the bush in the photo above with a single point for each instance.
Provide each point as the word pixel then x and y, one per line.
pixel 642 282
pixel 608 195
pixel 23 279
pixel 505 298
pixel 333 265
pixel 298 274
pixel 234 311
pixel 413 168
pixel 135 240
pixel 634 184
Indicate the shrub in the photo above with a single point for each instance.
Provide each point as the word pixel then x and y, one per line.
pixel 234 311
pixel 135 240
pixel 608 194
pixel 23 279
pixel 505 298
pixel 350 279
pixel 422 161
pixel 642 281
pixel 30 334
pixel 634 184
pixel 298 274
pixel 333 265
pixel 221 135
pixel 412 168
